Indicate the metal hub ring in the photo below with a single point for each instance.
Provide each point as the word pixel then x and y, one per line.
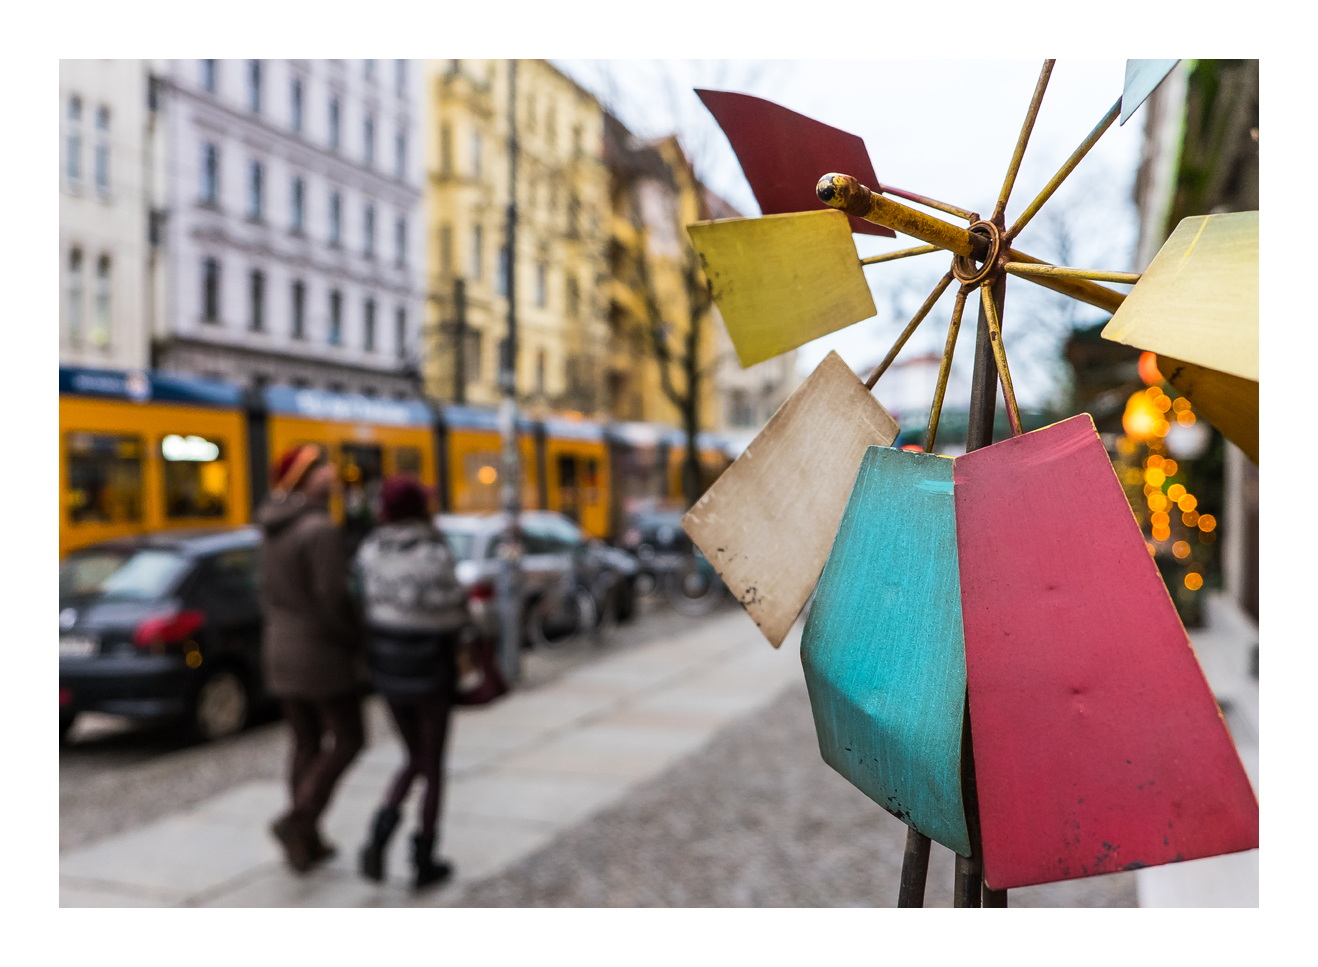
pixel 964 267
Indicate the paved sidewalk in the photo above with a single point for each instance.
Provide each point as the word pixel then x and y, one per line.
pixel 520 772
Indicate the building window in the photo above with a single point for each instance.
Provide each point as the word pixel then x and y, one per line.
pixel 297 204
pixel 336 318
pixel 542 284
pixel 368 325
pixel 254 86
pixel 208 76
pixel 210 174
pixel 74 320
pixel 334 123
pixel 255 190
pixel 400 155
pixel 73 150
pixel 476 147
pixel 400 76
pixel 446 249
pixel 400 241
pixel 295 104
pixel 573 297
pixel 368 232
pixel 103 150
pixel 256 293
pixel 100 334
pixel 368 139
pixel 210 291
pixel 445 150
pixel 335 218
pixel 299 310
pixel 501 283
pixel 477 253
pixel 400 332
pixel 741 412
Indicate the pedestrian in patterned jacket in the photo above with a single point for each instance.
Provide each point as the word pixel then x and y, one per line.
pixel 415 609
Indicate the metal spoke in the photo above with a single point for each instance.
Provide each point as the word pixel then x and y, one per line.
pixel 911 326
pixel 1023 140
pixel 1000 357
pixel 945 370
pixel 928 202
pixel 1081 290
pixel 1076 157
pixel 901 254
pixel 1027 269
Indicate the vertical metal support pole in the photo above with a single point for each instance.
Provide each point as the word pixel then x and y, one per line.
pixel 459 341
pixel 509 581
pixel 968 890
pixel 915 869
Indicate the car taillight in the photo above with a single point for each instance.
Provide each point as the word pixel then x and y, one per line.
pixel 481 593
pixel 66 696
pixel 168 629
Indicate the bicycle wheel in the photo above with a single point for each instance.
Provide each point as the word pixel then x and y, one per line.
pixel 694 588
pixel 558 622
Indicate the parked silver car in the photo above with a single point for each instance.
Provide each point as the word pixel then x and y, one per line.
pixel 556 554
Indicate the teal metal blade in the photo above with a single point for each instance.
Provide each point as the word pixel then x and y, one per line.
pixel 883 649
pixel 1142 79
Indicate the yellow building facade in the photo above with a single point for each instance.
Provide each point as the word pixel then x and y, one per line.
pixel 562 235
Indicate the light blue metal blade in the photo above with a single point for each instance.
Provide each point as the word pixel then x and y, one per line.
pixel 1142 78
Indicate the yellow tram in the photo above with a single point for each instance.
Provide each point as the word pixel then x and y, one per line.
pixel 150 451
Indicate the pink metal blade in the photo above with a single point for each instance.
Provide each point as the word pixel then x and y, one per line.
pixel 783 154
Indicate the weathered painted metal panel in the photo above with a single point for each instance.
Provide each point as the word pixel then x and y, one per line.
pixel 1199 298
pixel 782 280
pixel 1098 745
pixel 1142 79
pixel 1227 402
pixel 783 154
pixel 882 650
pixel 768 522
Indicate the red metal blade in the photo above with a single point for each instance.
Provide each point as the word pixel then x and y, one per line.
pixel 783 154
pixel 1098 744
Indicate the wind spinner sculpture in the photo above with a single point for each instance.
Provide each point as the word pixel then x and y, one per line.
pixel 1007 676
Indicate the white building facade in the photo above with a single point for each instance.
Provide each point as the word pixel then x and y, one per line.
pixel 292 223
pixel 104 213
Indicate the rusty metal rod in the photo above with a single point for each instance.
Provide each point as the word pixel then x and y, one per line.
pixel 1027 269
pixel 847 194
pixel 911 326
pixel 1000 357
pixel 928 202
pixel 1030 116
pixel 1076 157
pixel 900 254
pixel 1078 289
pixel 945 369
pixel 915 869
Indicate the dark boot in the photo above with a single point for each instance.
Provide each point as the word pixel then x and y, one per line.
pixel 299 847
pixel 427 869
pixel 372 854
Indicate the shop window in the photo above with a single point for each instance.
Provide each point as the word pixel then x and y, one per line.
pixel 196 476
pixel 105 477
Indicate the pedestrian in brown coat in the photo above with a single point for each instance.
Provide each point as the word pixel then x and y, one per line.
pixel 312 644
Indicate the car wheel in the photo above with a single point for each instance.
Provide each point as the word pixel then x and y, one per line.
pixel 624 600
pixel 65 723
pixel 221 707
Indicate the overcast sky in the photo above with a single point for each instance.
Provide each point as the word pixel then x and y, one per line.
pixel 931 127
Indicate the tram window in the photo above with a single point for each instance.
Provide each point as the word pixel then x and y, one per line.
pixel 105 477
pixel 407 460
pixel 196 476
pixel 481 474
pixel 567 488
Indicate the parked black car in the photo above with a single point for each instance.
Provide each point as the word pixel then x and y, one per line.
pixel 163 625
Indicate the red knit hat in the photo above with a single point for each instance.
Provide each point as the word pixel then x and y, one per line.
pixel 402 497
pixel 293 464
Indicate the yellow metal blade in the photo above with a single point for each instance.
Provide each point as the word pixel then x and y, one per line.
pixel 1228 402
pixel 1199 299
pixel 782 280
pixel 768 522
